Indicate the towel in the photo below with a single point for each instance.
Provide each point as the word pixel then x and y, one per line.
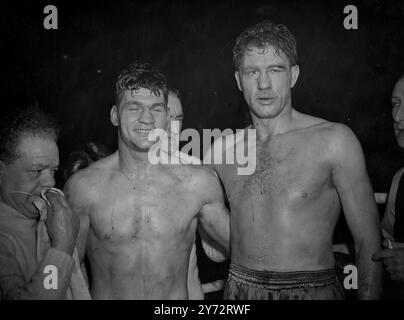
pixel 77 289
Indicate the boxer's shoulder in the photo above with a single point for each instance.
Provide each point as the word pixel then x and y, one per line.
pixel 340 139
pixel 77 187
pixel 317 130
pixel 330 142
pixel 202 179
pixel 305 122
pixel 88 182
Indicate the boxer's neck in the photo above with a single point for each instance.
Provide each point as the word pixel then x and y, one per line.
pixel 133 161
pixel 266 128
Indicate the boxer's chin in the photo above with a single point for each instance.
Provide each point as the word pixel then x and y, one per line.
pixel 145 146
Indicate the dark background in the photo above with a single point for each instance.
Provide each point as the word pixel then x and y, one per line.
pixel 346 75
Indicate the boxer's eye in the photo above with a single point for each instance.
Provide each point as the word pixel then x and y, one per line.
pixel 133 109
pixel 251 72
pixel 158 108
pixel 275 70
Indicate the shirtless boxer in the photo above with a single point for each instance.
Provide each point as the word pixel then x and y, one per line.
pixel 138 220
pixel 283 215
pixel 196 290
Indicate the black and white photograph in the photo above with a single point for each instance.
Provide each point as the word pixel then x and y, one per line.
pixel 227 151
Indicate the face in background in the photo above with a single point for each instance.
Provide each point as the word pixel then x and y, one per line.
pixel 174 106
pixel 138 113
pixel 30 173
pixel 397 101
pixel 265 78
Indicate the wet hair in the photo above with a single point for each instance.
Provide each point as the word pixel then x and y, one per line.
pixel 28 121
pixel 141 75
pixel 263 35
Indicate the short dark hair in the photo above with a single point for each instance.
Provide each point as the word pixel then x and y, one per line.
pixel 263 35
pixel 29 120
pixel 141 75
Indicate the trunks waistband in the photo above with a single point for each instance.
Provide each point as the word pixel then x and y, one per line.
pixel 282 280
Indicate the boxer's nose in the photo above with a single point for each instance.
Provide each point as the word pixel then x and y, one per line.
pixel 146 117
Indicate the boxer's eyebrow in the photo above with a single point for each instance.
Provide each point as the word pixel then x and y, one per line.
pixel 280 66
pixel 158 104
pixel 133 102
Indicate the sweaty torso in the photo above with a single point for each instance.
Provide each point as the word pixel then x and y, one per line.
pixel 141 232
pixel 283 215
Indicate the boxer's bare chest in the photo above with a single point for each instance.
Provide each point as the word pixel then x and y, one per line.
pixel 290 169
pixel 145 207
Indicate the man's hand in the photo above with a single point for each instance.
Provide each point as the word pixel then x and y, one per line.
pixel 62 223
pixel 393 260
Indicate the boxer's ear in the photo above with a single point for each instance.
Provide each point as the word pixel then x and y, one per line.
pixel 295 70
pixel 114 115
pixel 237 76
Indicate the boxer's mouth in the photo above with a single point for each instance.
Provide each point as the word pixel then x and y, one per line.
pixel 265 100
pixel 143 131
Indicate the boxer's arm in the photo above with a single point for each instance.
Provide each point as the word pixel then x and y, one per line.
pixel 193 283
pixel 215 150
pixel 355 191
pixel 214 216
pixel 76 192
pixel 212 249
